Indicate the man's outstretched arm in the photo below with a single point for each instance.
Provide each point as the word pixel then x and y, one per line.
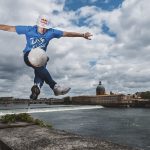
pixel 7 28
pixel 86 35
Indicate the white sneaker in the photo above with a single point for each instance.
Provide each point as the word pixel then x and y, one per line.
pixel 58 90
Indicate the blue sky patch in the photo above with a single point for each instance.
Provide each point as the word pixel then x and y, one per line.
pixel 92 63
pixel 106 30
pixel 108 5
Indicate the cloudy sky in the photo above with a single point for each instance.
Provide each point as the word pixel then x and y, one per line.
pixel 118 54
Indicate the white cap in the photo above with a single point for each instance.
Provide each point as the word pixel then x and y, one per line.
pixel 43 21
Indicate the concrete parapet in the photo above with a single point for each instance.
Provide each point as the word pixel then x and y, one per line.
pixel 37 138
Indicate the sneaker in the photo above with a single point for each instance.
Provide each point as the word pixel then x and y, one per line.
pixel 58 90
pixel 35 92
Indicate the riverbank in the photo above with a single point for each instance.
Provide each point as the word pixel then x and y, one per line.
pixel 122 126
pixel 33 137
pixel 113 101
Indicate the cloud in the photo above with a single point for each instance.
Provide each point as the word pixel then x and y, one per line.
pixel 121 62
pixel 130 49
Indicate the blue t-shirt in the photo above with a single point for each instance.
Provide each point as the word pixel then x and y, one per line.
pixel 36 39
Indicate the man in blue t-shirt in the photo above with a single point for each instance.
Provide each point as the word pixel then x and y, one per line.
pixel 39 36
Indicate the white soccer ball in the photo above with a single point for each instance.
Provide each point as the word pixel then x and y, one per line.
pixel 37 57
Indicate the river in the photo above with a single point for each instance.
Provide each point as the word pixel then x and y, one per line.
pixel 127 126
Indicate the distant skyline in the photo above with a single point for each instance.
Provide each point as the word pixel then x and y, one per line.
pixel 118 54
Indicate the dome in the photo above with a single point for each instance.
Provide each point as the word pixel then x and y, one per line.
pixel 100 90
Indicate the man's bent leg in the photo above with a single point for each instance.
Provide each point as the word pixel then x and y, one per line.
pixel 35 90
pixel 43 73
pixel 37 80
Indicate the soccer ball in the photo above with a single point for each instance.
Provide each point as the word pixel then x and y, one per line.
pixel 37 57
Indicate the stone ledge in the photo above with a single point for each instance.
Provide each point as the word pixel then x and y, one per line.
pixel 14 125
pixel 34 137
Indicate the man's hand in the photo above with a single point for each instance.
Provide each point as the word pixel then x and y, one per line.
pixel 87 35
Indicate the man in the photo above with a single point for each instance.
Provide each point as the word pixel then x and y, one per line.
pixel 39 36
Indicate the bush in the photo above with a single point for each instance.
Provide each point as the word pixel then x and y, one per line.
pixel 8 118
pixel 23 117
pixel 41 123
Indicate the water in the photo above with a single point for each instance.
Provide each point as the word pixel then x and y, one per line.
pixel 11 109
pixel 123 126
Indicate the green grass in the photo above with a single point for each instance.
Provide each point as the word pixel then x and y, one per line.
pixel 23 117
